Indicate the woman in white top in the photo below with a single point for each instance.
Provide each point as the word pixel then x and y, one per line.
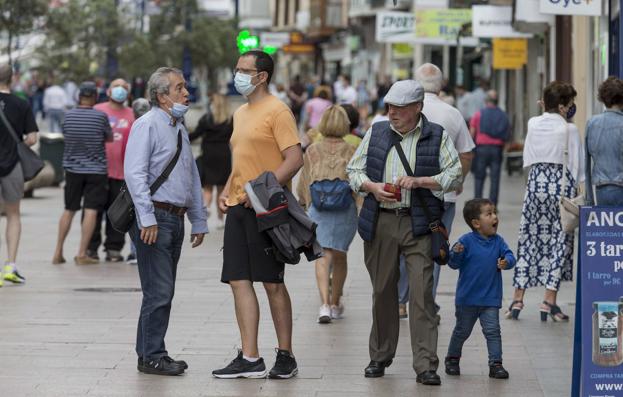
pixel 545 251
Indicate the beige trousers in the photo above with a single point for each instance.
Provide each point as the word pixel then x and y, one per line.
pixel 393 237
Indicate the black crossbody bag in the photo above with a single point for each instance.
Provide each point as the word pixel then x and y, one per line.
pixel 30 161
pixel 439 234
pixel 121 212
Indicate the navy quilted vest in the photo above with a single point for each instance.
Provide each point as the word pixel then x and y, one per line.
pixel 426 164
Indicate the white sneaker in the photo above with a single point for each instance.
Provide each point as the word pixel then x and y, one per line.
pixel 324 314
pixel 337 312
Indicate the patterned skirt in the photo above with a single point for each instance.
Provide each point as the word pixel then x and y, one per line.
pixel 544 251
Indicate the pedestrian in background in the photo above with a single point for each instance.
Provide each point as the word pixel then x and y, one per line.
pixel 54 104
pixel 348 93
pixel 272 145
pixel 158 231
pixel 21 119
pixel 392 225
pixel 604 145
pixel 315 107
pixel 325 167
pixel 85 131
pixel 490 128
pixel 479 256
pixel 120 118
pixel 297 94
pixel 215 129
pixel 544 250
pixel 439 112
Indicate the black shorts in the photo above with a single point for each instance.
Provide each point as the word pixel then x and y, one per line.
pixel 247 253
pixel 93 187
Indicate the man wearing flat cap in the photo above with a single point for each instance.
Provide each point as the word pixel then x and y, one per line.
pixel 394 224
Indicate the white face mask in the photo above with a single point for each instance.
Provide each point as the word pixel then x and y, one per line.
pixel 243 84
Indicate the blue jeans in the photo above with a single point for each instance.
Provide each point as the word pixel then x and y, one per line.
pixel 609 195
pixel 488 156
pixel 466 317
pixel 157 267
pixel 56 117
pixel 403 283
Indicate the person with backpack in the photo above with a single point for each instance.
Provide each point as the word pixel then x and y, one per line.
pixel 325 192
pixel 490 128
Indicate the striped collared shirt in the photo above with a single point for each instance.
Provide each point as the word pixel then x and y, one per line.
pixel 449 164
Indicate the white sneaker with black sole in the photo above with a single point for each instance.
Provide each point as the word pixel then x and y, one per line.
pixel 285 366
pixel 324 314
pixel 241 368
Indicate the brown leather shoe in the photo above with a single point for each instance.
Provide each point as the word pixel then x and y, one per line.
pixel 85 260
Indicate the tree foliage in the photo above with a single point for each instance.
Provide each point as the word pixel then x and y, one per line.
pixel 83 35
pixel 18 17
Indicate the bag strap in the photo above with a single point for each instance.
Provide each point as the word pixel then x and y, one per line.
pixel 405 164
pixel 565 159
pixel 9 127
pixel 169 168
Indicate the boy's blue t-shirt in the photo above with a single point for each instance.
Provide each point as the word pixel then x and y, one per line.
pixel 480 282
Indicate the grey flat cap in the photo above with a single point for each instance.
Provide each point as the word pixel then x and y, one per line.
pixel 404 92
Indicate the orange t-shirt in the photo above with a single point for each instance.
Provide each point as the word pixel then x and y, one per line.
pixel 261 132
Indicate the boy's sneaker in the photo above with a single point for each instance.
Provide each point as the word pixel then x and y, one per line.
pixel 497 371
pixel 452 366
pixel 10 273
pixel 285 366
pixel 241 368
pixel 132 260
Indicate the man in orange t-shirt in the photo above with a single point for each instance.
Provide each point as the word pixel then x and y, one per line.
pixel 265 138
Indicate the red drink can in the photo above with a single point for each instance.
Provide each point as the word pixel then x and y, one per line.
pixel 395 189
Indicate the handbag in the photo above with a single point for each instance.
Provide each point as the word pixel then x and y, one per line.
pixel 569 207
pixel 121 212
pixel 439 234
pixel 331 194
pixel 30 161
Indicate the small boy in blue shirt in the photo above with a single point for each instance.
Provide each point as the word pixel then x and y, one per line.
pixel 480 256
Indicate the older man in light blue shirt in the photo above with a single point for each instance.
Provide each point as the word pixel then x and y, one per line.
pixel 158 232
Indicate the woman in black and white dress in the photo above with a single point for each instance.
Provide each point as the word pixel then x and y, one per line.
pixel 545 251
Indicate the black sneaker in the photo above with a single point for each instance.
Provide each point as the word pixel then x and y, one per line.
pixel 241 368
pixel 161 366
pixel 452 366
pixel 140 365
pixel 285 366
pixel 497 371
pixel 113 256
pixel 131 260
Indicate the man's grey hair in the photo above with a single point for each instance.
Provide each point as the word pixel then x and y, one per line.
pixel 159 83
pixel 6 74
pixel 430 77
pixel 140 106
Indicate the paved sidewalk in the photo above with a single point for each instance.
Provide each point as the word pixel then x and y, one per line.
pixel 61 337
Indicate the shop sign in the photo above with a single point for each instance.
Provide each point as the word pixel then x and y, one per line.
pixel 392 27
pixel 494 21
pixel 299 48
pixel 599 315
pixel 528 11
pixel 510 53
pixel 402 51
pixel 571 7
pixel 441 24
pixel 274 39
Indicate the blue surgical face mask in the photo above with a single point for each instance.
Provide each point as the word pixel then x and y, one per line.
pixel 178 110
pixel 119 94
pixel 243 84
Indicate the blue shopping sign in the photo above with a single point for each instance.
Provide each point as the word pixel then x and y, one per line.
pixel 600 294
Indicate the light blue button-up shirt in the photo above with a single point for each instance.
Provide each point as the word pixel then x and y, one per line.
pixel 151 145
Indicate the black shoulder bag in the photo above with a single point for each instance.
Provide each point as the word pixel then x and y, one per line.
pixel 439 234
pixel 121 212
pixel 30 161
